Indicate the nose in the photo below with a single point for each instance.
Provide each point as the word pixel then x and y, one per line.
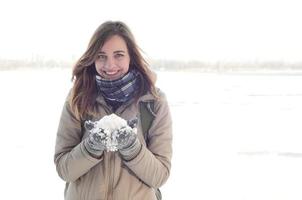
pixel 109 63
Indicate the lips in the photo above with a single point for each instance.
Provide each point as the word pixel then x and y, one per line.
pixel 111 74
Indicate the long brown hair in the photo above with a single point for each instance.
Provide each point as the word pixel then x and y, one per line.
pixel 84 91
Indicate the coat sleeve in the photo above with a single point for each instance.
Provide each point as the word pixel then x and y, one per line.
pixel 71 158
pixel 152 165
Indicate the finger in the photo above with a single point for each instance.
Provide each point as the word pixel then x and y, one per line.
pixel 132 122
pixel 89 125
pixel 122 134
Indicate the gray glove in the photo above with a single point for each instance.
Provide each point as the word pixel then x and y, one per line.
pixel 127 142
pixel 125 137
pixel 96 142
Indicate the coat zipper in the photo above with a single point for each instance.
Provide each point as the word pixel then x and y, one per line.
pixel 109 194
pixel 112 175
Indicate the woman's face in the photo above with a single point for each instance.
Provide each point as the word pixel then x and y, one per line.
pixel 113 59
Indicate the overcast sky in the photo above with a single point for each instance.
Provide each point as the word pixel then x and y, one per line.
pixel 205 30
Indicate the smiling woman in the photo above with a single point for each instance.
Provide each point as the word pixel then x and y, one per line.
pixel 111 77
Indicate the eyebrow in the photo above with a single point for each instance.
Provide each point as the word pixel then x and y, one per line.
pixel 118 51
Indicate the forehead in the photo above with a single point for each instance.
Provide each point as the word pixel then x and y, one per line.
pixel 114 43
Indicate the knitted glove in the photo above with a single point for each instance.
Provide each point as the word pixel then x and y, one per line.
pixel 127 142
pixel 96 142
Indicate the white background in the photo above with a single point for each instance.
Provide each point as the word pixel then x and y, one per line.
pixel 206 30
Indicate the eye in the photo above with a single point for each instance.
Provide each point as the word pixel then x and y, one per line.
pixel 102 57
pixel 119 55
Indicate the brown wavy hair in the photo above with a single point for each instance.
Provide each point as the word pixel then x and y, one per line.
pixel 84 92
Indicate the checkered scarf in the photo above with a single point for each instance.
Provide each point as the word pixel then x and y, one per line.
pixel 119 91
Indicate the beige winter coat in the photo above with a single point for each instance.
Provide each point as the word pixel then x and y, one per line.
pixel 111 177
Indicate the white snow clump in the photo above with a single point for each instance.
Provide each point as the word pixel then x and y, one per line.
pixel 107 127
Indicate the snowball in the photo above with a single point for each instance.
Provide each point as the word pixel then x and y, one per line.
pixel 110 124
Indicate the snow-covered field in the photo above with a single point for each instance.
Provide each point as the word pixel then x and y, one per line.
pixel 236 136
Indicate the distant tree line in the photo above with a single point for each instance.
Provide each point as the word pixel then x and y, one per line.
pixel 163 65
pixel 12 64
pixel 225 66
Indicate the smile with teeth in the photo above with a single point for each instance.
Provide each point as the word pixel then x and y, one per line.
pixel 111 73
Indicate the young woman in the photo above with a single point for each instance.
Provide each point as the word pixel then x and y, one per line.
pixel 113 77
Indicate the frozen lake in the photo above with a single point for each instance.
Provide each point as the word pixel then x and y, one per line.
pixel 236 136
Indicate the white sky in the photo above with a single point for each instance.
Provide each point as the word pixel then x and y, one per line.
pixel 205 30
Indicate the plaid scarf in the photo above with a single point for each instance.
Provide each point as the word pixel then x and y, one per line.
pixel 117 92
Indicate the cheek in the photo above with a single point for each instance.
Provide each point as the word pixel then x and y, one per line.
pixel 98 67
pixel 125 66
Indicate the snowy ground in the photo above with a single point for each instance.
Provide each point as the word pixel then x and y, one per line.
pixel 236 136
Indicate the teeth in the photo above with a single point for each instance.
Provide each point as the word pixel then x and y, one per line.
pixel 111 73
